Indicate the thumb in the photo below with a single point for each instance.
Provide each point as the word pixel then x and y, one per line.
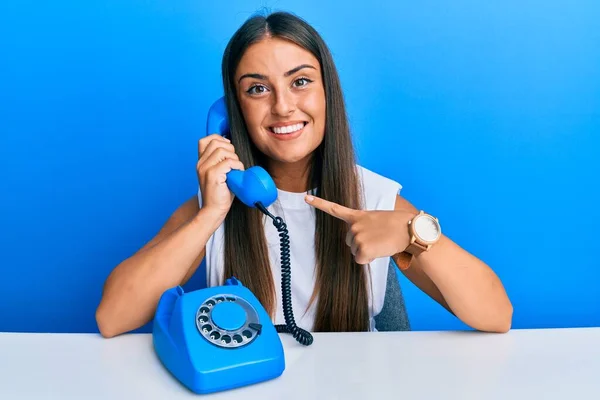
pixel 336 210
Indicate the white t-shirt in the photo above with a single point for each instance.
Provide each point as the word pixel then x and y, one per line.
pixel 379 194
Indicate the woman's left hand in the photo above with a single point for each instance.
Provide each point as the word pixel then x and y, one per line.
pixel 371 233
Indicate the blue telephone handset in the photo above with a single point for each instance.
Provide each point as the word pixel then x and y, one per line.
pixel 251 186
pixel 220 338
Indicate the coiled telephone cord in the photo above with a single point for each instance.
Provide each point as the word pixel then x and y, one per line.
pixel 302 336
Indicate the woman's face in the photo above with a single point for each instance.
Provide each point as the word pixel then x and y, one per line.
pixel 282 98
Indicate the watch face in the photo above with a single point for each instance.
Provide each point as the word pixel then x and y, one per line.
pixel 427 228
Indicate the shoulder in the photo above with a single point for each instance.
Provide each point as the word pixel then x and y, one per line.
pixel 373 182
pixel 379 191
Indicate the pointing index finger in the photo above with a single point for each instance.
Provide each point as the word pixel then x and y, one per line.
pixel 336 210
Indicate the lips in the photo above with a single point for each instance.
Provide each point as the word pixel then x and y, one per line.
pixel 287 129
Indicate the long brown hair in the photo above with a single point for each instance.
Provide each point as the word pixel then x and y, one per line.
pixel 341 283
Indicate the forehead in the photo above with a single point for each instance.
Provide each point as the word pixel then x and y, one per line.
pixel 273 57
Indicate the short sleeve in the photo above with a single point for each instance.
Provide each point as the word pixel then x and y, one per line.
pixel 380 192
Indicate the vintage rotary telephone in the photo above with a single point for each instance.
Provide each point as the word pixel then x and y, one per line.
pixel 221 337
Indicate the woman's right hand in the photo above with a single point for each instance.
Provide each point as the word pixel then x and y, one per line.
pixel 216 157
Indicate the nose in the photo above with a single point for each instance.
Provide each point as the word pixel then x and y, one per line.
pixel 284 104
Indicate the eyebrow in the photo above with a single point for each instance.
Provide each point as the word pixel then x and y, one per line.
pixel 264 77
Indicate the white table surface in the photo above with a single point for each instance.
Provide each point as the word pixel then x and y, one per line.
pixel 522 364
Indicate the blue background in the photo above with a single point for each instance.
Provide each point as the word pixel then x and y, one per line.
pixel 488 114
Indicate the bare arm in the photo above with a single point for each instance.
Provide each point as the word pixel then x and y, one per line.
pixel 460 282
pixel 134 287
pixel 457 280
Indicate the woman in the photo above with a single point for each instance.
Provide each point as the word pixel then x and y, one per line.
pixel 287 114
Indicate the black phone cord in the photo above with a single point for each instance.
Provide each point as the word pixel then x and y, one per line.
pixel 302 336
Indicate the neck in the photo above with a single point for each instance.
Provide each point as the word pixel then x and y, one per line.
pixel 291 177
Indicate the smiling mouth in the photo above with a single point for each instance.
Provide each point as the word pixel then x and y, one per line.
pixel 286 130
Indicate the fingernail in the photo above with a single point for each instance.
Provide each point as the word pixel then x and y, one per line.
pixel 309 198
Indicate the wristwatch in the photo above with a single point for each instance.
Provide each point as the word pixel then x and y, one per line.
pixel 424 231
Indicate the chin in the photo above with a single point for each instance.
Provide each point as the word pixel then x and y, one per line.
pixel 291 158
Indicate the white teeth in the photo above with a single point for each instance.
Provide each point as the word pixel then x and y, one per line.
pixel 288 129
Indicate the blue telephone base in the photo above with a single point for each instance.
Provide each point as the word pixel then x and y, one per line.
pixel 217 338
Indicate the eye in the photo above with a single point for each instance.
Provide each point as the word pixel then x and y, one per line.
pixel 300 82
pixel 256 89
